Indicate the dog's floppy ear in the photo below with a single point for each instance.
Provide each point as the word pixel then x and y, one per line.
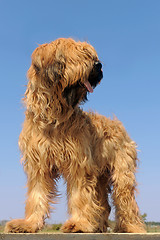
pixel 37 59
pixel 55 71
pixel 37 64
pixel 50 68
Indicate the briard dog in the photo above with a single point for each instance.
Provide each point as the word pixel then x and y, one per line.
pixel 94 154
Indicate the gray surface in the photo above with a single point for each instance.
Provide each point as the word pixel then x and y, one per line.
pixel 80 236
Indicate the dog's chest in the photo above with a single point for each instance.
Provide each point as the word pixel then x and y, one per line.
pixel 71 152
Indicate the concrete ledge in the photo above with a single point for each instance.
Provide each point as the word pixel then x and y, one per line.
pixel 80 236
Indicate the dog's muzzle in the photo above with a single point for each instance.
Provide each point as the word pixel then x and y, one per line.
pixel 98 66
pixel 95 77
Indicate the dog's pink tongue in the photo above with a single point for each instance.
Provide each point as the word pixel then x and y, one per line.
pixel 88 86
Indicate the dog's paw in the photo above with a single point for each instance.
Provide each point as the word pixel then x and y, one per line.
pixel 20 226
pixel 131 228
pixel 72 226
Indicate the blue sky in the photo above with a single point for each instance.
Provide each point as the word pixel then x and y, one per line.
pixel 126 35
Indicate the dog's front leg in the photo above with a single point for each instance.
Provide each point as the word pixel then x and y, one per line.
pixel 41 189
pixel 87 203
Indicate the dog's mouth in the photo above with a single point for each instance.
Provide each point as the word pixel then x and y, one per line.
pixel 95 77
pixel 88 86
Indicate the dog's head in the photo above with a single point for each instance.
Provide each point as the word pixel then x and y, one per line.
pixel 69 67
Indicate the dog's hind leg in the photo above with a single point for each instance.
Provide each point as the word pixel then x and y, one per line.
pixel 124 186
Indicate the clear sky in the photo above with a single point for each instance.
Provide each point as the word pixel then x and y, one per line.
pixel 126 35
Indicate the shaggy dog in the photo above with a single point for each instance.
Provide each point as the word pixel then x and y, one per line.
pixel 93 153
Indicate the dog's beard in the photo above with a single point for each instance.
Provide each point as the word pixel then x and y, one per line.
pixel 77 93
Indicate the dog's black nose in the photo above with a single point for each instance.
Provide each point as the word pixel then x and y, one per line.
pixel 98 65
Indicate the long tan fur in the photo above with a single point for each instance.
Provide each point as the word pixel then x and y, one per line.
pixel 90 151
